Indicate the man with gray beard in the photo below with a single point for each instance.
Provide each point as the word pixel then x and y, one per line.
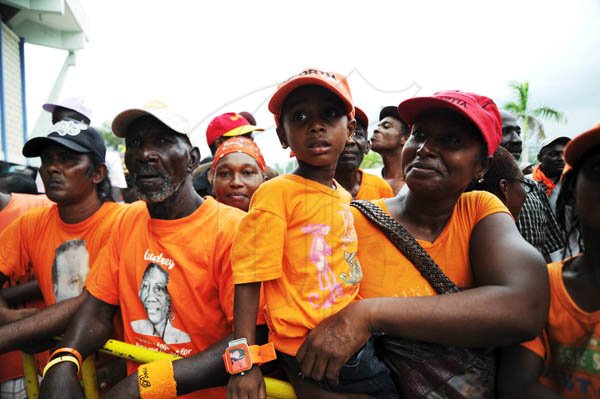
pixel 182 240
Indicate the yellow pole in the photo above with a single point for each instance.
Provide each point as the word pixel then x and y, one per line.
pixel 32 386
pixel 88 377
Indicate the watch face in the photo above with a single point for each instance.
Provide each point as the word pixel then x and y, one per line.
pixel 239 359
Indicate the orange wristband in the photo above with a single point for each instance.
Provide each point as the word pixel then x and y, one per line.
pixel 72 351
pixel 156 380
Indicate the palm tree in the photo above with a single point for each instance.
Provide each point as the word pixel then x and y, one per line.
pixel 530 118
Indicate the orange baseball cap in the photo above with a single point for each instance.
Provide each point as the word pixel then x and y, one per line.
pixel 577 147
pixel 228 124
pixel 333 81
pixel 361 117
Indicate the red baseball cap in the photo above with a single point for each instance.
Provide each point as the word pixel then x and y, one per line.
pixel 332 81
pixel 480 110
pixel 228 124
pixel 577 147
pixel 361 117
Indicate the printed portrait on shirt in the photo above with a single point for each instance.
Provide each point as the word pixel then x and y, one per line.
pixel 69 269
pixel 157 303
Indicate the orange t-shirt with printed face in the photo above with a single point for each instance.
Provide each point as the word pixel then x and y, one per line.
pixel 387 272
pixel 40 243
pixel 570 343
pixel 373 187
pixel 298 238
pixel 11 364
pixel 172 280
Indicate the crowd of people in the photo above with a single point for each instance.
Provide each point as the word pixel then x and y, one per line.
pixel 344 283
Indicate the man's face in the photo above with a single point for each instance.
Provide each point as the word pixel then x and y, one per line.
pixel 388 135
pixel 154 296
pixel 511 135
pixel 71 272
pixel 551 159
pixel 158 160
pixel 66 176
pixel 355 150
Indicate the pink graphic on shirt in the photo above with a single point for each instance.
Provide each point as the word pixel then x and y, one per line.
pixel 319 250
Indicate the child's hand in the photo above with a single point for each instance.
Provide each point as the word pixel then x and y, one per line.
pixel 251 385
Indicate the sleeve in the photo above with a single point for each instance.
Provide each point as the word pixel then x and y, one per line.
pixel 15 259
pixel 257 252
pixel 103 280
pixel 487 204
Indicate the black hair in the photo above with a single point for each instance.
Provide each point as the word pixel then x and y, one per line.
pixel 18 182
pixel 104 188
pixel 502 166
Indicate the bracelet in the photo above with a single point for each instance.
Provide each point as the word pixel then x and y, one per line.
pixel 156 380
pixel 60 359
pixel 71 351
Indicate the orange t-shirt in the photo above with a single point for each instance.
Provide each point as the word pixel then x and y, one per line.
pixel 387 272
pixel 570 344
pixel 11 364
pixel 298 238
pixel 373 187
pixel 171 279
pixel 40 241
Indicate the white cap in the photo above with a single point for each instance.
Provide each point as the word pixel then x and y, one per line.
pixel 158 110
pixel 76 104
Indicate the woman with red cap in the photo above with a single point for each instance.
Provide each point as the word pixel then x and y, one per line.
pixel 564 360
pixel 497 289
pixel 237 170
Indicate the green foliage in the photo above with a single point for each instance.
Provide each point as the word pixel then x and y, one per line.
pixel 110 140
pixel 530 118
pixel 371 160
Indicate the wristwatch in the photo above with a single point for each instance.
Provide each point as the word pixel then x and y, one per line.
pixel 239 357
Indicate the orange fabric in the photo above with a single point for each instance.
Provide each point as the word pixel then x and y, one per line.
pixel 373 187
pixel 11 363
pixel 387 273
pixel 194 252
pixel 298 238
pixel 239 144
pixel 539 176
pixel 156 380
pixel 29 244
pixel 572 349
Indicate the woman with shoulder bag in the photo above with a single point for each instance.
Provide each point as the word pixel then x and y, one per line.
pixel 443 270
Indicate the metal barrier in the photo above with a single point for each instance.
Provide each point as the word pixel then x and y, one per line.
pixel 276 389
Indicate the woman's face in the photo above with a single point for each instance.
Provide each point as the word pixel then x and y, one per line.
pixel 587 192
pixel 236 178
pixel 516 194
pixel 442 154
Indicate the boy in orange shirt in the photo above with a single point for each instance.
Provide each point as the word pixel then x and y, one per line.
pixel 298 238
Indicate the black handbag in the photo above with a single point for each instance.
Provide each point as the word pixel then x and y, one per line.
pixel 422 369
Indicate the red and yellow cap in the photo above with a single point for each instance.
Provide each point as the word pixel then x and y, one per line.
pixel 229 124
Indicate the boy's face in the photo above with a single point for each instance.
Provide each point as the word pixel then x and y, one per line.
pixel 315 126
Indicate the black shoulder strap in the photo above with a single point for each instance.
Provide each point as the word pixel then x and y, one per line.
pixel 407 244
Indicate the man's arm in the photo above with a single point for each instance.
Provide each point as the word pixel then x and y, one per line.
pixel 29 291
pixel 201 371
pixel 90 328
pixel 8 315
pixel 509 305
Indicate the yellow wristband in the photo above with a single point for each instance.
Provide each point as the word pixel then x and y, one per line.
pixel 60 359
pixel 156 380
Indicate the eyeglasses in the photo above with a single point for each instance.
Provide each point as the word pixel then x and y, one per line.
pixel 528 185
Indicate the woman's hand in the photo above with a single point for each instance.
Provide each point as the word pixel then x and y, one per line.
pixel 333 342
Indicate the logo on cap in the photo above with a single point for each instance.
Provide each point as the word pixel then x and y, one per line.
pixel 71 128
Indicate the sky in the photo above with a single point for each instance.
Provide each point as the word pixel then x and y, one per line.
pixel 204 58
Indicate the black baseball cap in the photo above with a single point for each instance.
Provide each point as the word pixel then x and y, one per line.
pixel 390 110
pixel 74 135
